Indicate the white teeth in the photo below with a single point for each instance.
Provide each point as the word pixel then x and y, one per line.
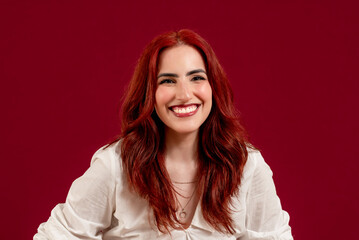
pixel 185 109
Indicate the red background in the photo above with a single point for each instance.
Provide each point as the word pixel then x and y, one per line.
pixel 294 70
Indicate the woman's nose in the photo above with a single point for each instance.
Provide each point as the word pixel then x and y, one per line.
pixel 183 92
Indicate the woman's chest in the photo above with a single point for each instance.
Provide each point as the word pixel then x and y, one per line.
pixel 133 219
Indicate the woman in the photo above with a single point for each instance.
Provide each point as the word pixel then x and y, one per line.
pixel 183 167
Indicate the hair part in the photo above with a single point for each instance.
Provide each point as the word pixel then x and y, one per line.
pixel 221 147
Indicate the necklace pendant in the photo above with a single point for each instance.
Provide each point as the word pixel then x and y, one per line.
pixel 183 214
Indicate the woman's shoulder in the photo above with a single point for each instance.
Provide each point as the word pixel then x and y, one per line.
pixel 255 164
pixel 109 156
pixel 109 151
pixel 254 157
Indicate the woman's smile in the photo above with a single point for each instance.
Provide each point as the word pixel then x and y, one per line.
pixel 184 110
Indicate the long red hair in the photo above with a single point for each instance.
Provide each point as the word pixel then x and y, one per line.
pixel 222 141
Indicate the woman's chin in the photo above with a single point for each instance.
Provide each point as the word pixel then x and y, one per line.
pixel 182 130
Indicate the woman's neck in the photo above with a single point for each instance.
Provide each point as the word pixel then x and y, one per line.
pixel 181 148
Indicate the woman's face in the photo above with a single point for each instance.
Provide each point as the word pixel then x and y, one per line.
pixel 183 95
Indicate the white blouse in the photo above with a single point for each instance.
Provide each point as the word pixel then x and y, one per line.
pixel 100 205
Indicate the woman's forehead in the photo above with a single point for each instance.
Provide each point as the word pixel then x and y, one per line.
pixel 180 58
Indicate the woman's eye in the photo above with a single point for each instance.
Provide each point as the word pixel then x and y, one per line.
pixel 197 78
pixel 166 81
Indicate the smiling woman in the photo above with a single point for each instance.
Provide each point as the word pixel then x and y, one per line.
pixel 182 167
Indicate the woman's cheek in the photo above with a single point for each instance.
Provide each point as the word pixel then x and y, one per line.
pixel 205 90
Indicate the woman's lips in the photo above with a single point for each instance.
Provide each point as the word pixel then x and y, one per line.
pixel 184 110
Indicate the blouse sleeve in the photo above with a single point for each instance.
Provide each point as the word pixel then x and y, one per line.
pixel 265 218
pixel 89 205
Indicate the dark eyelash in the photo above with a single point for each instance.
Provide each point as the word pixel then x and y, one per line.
pixel 198 78
pixel 166 81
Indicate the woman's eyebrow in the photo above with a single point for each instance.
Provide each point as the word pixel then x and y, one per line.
pixel 167 75
pixel 196 71
pixel 176 75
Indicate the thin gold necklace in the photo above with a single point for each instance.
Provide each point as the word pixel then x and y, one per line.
pixel 184 182
pixel 183 213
